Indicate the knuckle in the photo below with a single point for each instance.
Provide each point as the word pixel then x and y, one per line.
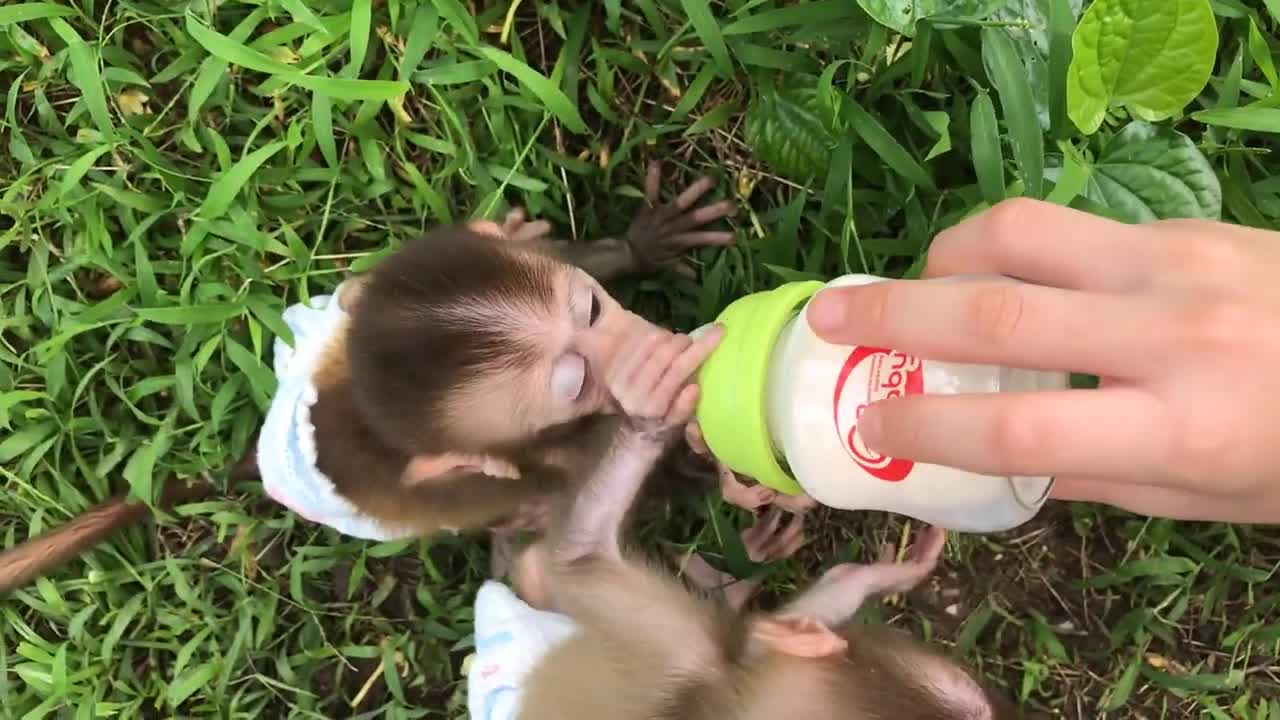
pixel 1191 252
pixel 1216 326
pixel 997 312
pixel 1018 436
pixel 1008 221
pixel 1200 445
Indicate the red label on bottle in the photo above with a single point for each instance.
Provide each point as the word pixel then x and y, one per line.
pixel 888 374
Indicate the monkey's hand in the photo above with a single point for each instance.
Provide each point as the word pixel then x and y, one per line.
pixel 650 380
pixel 661 234
pixel 520 229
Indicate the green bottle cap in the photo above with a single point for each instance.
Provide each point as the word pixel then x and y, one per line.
pixel 731 406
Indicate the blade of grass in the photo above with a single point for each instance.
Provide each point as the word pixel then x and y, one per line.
pixel 84 65
pixel 708 30
pixel 33 11
pixel 988 158
pixel 224 190
pixel 543 88
pixel 1061 25
pixel 1010 79
pixel 895 157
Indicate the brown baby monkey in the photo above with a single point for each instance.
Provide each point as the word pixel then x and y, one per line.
pixel 648 648
pixel 463 387
pixel 458 385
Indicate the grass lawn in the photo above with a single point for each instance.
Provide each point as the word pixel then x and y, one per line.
pixel 174 172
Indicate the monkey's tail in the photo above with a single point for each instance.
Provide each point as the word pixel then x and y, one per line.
pixel 50 550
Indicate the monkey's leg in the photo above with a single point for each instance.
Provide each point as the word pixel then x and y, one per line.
pixel 842 590
pixel 769 539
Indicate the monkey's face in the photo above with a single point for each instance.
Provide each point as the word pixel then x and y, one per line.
pixel 568 347
pixel 468 340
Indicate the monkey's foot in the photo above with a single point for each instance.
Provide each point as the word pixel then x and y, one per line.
pixel 774 536
pixel 889 575
pixel 739 494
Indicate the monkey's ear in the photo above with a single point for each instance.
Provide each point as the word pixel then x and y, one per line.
pixel 797 635
pixel 427 469
pixel 352 289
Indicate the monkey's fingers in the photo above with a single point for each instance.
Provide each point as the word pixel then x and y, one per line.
pixel 693 193
pixel 927 549
pixel 652 182
pixel 513 220
pixel 646 380
pixel 693 436
pixel 684 269
pixel 683 408
pixel 795 504
pixel 708 238
pixel 739 494
pixel 529 232
pixel 697 218
pixel 630 358
pixel 785 541
pixel 693 358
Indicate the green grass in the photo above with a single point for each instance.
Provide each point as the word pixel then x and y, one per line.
pixel 174 173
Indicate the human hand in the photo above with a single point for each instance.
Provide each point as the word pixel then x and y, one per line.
pixel 1180 319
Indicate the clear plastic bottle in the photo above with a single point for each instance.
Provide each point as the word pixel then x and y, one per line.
pixel 781 405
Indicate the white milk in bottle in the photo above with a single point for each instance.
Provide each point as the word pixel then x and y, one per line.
pixel 780 405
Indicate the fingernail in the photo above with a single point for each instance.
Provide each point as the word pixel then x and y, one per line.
pixel 869 427
pixel 826 313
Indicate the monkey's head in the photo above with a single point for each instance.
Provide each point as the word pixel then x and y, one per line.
pixel 466 340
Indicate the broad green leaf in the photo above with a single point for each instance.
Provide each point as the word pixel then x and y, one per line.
pixel 988 158
pixel 1151 58
pixel 1007 74
pixel 902 15
pixel 1249 117
pixel 224 190
pixel 1148 172
pixel 553 99
pixel 785 131
pixel 33 11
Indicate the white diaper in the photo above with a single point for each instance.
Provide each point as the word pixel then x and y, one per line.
pixel 286 445
pixel 511 638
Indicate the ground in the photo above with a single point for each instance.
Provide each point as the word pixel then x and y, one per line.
pixel 176 173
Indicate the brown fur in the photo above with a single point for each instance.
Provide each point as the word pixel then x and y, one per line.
pixel 649 648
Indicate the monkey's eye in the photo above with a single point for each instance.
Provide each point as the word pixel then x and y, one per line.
pixel 595 310
pixel 568 376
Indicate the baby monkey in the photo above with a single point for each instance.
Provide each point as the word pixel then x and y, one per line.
pixel 461 383
pixel 648 648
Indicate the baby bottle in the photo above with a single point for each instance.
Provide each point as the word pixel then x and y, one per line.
pixel 780 405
